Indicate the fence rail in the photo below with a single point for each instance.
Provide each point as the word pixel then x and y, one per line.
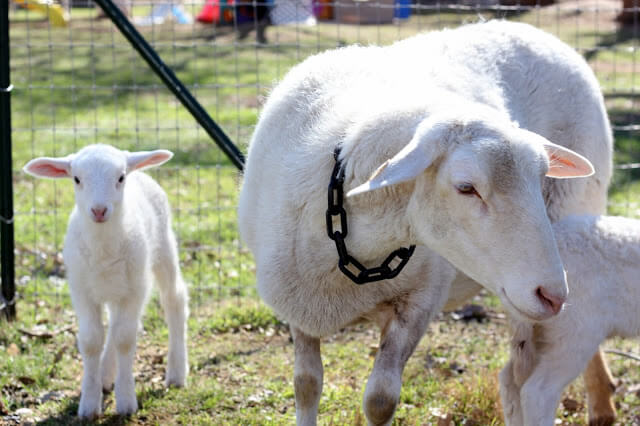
pixel 7 295
pixel 172 82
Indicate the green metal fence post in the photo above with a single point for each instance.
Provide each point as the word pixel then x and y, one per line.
pixel 172 82
pixel 7 261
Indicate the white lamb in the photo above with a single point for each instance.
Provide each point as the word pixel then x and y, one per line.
pixel 602 258
pixel 446 136
pixel 119 236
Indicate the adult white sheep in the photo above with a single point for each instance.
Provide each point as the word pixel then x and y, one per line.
pixel 119 236
pixel 602 258
pixel 447 137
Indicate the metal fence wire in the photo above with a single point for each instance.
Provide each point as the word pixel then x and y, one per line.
pixel 76 80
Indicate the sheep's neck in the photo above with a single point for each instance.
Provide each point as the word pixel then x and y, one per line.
pixel 349 266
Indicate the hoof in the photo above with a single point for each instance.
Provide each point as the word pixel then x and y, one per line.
pixel 88 417
pixel 379 408
pixel 602 421
pixel 90 406
pixel 174 382
pixel 127 408
pixel 176 377
pixel 85 412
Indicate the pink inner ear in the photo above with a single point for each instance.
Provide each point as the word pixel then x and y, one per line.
pixel 562 160
pixel 49 170
pixel 154 159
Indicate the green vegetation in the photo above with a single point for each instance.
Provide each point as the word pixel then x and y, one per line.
pixel 84 84
pixel 241 362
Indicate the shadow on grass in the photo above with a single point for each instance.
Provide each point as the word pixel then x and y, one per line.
pixel 68 413
pixel 227 357
pixel 622 34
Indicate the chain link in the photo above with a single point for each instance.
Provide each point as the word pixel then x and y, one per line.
pixel 358 273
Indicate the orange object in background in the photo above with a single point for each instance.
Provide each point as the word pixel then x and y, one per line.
pixel 323 9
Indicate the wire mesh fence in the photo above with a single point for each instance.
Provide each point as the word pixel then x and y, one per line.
pixel 78 81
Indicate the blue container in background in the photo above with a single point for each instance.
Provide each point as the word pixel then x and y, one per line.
pixel 402 9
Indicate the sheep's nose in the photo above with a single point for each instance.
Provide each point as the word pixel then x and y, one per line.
pixel 98 213
pixel 551 301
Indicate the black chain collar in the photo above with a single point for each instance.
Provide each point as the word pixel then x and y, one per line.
pixel 361 275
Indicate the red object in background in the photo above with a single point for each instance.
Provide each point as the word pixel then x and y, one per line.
pixel 210 12
pixel 222 12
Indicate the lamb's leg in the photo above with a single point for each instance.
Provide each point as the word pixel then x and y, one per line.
pixel 403 321
pixel 108 361
pixel 90 342
pixel 555 369
pixel 540 397
pixel 125 318
pixel 307 377
pixel 510 397
pixel 173 296
pixel 600 388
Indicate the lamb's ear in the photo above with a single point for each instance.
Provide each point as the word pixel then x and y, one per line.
pixel 565 163
pixel 47 167
pixel 427 144
pixel 144 159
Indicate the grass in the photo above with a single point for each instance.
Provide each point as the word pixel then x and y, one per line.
pixel 241 360
pixel 84 84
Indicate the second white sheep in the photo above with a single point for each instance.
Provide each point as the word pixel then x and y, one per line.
pixel 601 255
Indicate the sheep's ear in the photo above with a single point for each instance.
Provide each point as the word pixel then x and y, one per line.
pixel 411 161
pixel 565 163
pixel 144 159
pixel 47 167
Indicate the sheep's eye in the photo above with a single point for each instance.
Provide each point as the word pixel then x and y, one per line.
pixel 467 189
pixel 75 178
pixel 121 179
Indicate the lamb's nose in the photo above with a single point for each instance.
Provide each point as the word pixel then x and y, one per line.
pixel 98 213
pixel 548 299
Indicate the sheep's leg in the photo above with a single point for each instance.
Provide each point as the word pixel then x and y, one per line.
pixel 307 377
pixel 90 342
pixel 124 325
pixel 510 396
pixel 403 322
pixel 600 388
pixel 174 300
pixel 108 361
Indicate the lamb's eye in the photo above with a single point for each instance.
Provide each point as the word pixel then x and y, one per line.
pixel 467 188
pixel 121 179
pixel 75 178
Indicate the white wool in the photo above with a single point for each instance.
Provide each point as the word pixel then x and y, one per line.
pixel 482 104
pixel 111 257
pixel 602 257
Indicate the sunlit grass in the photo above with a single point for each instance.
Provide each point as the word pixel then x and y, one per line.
pixel 84 84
